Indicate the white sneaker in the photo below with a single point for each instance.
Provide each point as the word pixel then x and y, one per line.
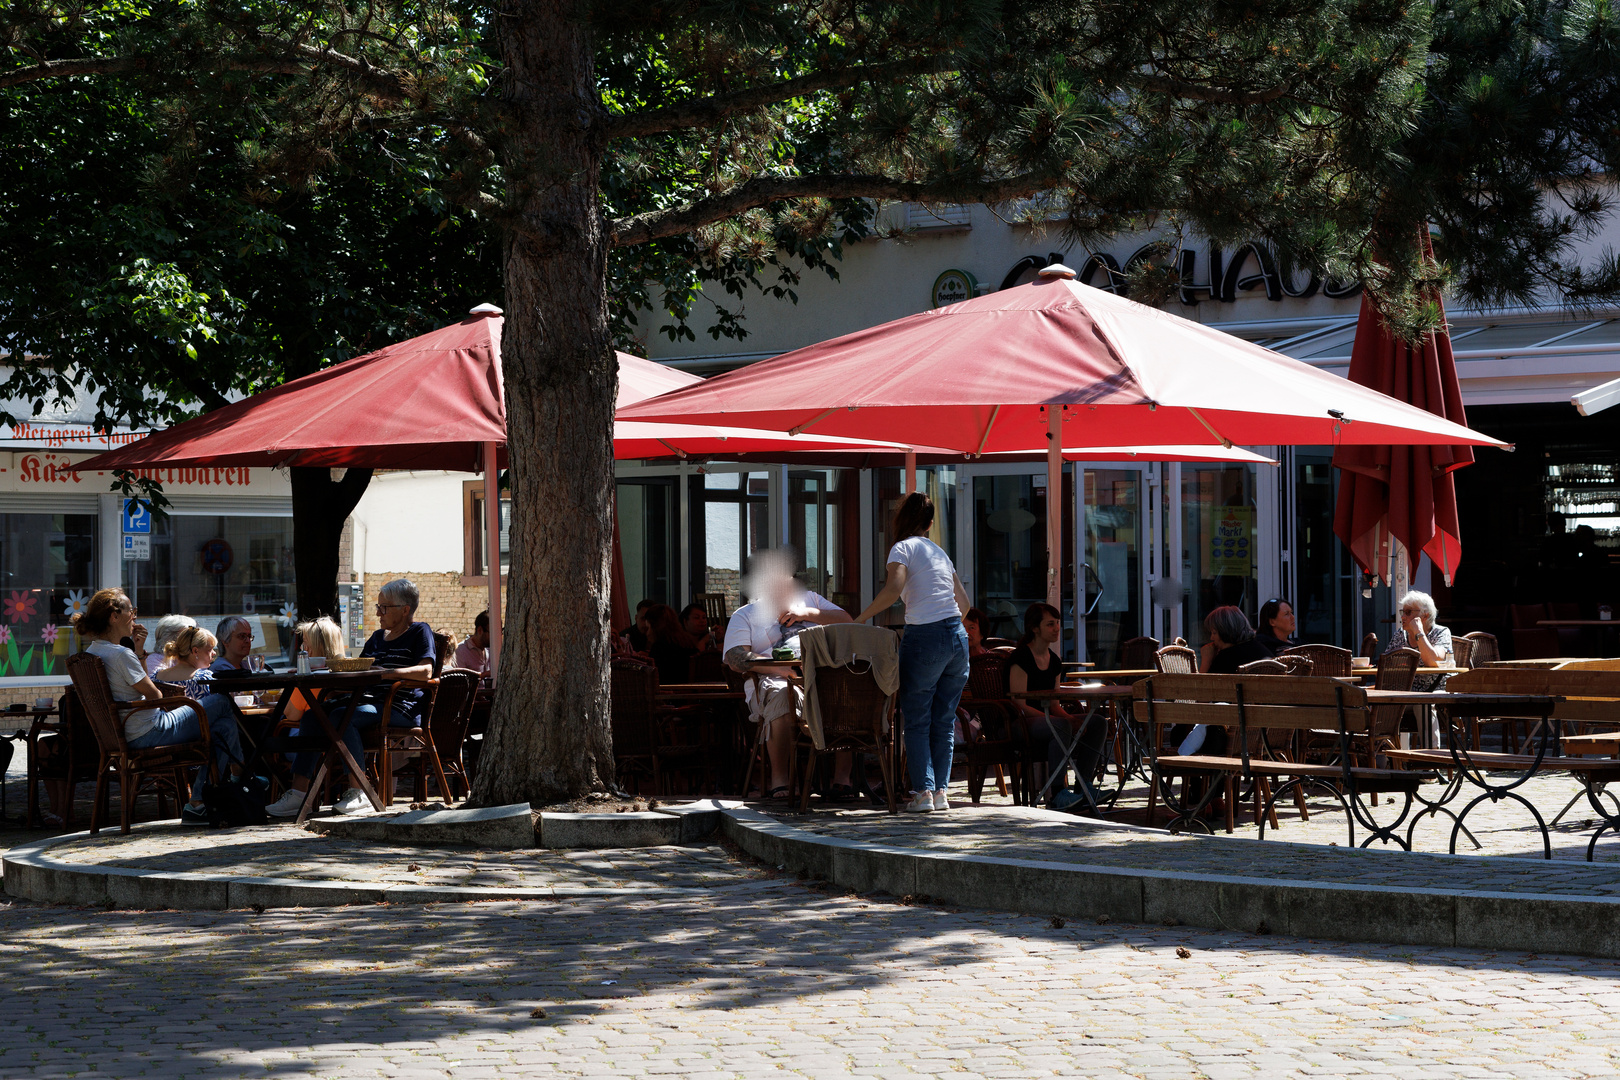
pixel 353 801
pixel 921 803
pixel 286 806
pixel 939 801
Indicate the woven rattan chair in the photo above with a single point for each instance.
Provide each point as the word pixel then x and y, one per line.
pixel 641 744
pixel 1176 660
pixel 1295 664
pixel 1396 671
pixel 1485 652
pixel 1263 667
pixel 61 754
pixel 1369 645
pixel 161 766
pixel 997 745
pixel 1462 652
pixel 856 715
pixel 1137 653
pixel 1327 660
pixel 448 719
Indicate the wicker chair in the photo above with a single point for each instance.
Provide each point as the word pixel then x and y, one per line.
pixel 1325 659
pixel 1396 671
pixel 1296 665
pixel 61 753
pixel 1485 652
pixel 1138 652
pixel 162 766
pixel 1369 645
pixel 448 718
pixel 1462 652
pixel 856 715
pixel 997 744
pixel 641 745
pixel 1263 667
pixel 1176 660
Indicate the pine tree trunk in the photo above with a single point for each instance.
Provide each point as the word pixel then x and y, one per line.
pixel 548 737
pixel 320 507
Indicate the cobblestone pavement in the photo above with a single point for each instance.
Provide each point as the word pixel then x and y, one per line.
pixel 771 980
pixel 290 852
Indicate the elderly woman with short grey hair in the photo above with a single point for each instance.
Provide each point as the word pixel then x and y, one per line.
pixel 1419 630
pixel 235 636
pixel 401 649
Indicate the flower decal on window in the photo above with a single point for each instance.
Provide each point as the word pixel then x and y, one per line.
pixel 20 606
pixel 289 614
pixel 5 635
pixel 75 602
pixel 49 633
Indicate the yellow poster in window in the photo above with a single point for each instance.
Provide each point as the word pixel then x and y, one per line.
pixel 1231 542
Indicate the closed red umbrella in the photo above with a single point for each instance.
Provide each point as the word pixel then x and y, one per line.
pixel 1403 492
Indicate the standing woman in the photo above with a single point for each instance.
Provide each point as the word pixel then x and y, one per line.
pixel 934 651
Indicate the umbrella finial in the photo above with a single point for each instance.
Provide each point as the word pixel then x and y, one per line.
pixel 486 309
pixel 1057 270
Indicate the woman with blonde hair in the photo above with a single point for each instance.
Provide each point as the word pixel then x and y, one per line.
pixel 110 616
pixel 168 628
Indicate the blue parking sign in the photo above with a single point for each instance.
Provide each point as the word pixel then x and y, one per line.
pixel 137 516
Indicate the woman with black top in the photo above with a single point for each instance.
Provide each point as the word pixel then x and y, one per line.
pixel 1276 626
pixel 1035 665
pixel 670 645
pixel 1232 643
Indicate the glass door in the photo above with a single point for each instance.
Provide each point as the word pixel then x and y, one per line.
pixel 1114 547
pixel 823 528
pixel 1220 542
pixel 1003 559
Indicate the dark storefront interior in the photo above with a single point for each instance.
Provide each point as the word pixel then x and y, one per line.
pixel 1539 526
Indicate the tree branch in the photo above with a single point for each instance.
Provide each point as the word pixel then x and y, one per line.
pixel 1204 92
pixel 763 191
pixel 704 112
pixel 127 65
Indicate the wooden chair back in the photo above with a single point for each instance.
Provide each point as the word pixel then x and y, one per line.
pixel 1176 660
pixel 1369 645
pixel 1485 650
pixel 1138 653
pixel 1252 701
pixel 714 606
pixel 1325 659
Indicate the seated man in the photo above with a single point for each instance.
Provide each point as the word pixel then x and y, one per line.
pixel 775 698
pixel 473 654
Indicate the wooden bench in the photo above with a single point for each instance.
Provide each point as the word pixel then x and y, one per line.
pixel 1249 705
pixel 1583 696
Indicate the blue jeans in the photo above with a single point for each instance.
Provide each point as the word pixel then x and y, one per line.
pixel 366 715
pixel 933 671
pixel 181 725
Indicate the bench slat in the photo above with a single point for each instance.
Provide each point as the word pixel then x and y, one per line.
pixel 1225 714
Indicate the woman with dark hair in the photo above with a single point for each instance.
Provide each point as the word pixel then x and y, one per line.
pixel 1276 626
pixel 934 652
pixel 1036 665
pixel 973 623
pixel 669 644
pixel 1232 643
pixel 110 617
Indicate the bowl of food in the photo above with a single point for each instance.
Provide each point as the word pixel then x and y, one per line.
pixel 349 663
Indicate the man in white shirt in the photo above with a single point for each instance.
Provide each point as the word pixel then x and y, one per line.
pixel 773 620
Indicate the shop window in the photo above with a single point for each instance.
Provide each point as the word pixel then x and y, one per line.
pixel 49 566
pixel 210 566
pixel 473 545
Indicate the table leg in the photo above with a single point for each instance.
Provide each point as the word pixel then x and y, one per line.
pixel 338 750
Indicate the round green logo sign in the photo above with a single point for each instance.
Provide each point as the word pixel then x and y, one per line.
pixel 954 286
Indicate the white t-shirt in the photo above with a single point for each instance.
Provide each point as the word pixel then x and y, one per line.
pixel 930 590
pixel 760 629
pixel 124 671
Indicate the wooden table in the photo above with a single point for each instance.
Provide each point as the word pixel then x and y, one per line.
pixel 1118 674
pixel 331 738
pixel 1109 694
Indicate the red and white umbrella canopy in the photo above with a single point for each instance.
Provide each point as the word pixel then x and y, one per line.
pixel 979 376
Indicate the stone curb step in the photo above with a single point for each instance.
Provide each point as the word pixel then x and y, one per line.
pixel 1445 918
pixel 509 828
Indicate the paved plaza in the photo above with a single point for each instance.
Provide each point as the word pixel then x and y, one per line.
pixel 767 979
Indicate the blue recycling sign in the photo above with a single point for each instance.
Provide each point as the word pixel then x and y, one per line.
pixel 137 516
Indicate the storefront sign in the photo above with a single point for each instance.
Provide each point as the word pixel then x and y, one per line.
pixel 1231 542
pixel 137 548
pixel 47 470
pixel 954 286
pixel 1252 266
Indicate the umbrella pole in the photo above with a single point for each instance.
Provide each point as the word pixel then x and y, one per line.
pixel 492 554
pixel 1054 507
pixel 910 479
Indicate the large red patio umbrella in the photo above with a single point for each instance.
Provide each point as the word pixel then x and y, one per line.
pixel 1046 366
pixel 1405 493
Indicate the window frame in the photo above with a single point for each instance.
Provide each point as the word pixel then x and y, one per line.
pixel 472 493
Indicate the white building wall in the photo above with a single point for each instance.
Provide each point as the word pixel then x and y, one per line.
pixel 410 522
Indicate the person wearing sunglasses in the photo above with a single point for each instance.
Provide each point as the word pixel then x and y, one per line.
pixel 1277 626
pixel 1419 630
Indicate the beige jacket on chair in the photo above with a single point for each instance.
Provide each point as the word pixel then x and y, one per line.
pixel 840 644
